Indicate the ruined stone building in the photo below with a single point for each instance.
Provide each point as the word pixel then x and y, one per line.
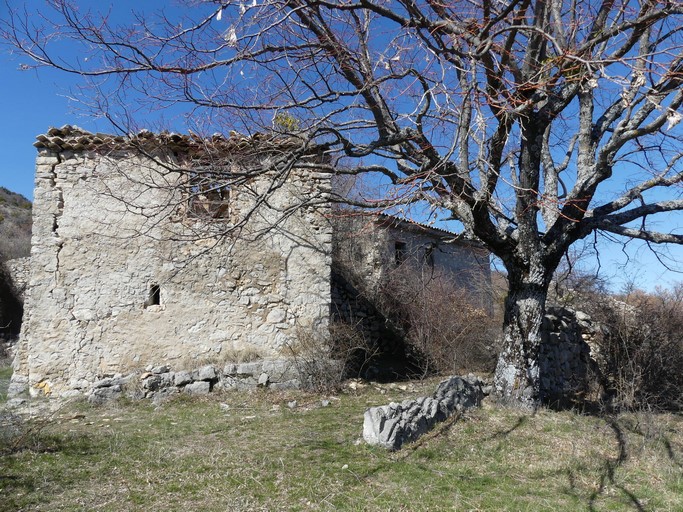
pixel 368 248
pixel 135 264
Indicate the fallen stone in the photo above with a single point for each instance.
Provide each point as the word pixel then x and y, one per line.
pixel 288 384
pixel 206 373
pixel 161 396
pixel 198 388
pixel 230 369
pixel 393 425
pixel 104 394
pixel 152 383
pixel 280 370
pixel 254 368
pixel 181 378
pixel 109 381
pixel 166 380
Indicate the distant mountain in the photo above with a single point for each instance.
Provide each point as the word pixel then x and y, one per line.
pixel 15 225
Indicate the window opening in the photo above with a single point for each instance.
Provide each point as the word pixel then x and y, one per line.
pixel 209 195
pixel 154 295
pixel 400 252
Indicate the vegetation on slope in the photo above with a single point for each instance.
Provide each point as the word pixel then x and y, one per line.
pixel 15 242
pixel 15 225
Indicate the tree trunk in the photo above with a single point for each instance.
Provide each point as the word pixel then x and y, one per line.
pixel 517 377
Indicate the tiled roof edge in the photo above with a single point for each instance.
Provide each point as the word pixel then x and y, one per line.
pixel 73 138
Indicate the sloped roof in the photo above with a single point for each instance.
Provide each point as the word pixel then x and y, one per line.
pixel 386 220
pixel 73 138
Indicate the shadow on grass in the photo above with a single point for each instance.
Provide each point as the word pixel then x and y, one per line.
pixel 15 489
pixel 521 421
pixel 675 458
pixel 607 475
pixel 21 439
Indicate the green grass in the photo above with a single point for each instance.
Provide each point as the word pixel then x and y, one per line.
pixel 260 455
pixel 5 374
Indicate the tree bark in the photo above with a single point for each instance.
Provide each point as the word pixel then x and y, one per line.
pixel 517 377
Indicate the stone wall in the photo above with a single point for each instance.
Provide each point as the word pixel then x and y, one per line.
pixel 368 248
pixel 19 269
pixel 565 359
pixel 160 382
pixel 115 287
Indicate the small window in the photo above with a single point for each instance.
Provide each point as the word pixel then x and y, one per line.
pixel 429 255
pixel 154 295
pixel 209 196
pixel 400 252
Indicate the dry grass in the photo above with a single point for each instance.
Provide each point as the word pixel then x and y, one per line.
pixel 252 452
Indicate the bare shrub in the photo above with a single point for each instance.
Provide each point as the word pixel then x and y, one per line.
pixel 18 434
pixel 640 349
pixel 444 331
pixel 322 359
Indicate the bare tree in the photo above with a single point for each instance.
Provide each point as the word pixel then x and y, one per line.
pixel 510 116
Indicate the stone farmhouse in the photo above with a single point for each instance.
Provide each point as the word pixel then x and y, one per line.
pixel 142 260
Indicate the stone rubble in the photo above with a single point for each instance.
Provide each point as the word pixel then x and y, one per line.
pixel 160 382
pixel 393 425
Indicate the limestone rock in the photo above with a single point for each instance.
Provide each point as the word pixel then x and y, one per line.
pixel 182 378
pixel 103 394
pixel 206 373
pixel 393 425
pixel 198 388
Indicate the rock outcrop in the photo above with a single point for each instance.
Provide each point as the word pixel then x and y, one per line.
pixel 393 425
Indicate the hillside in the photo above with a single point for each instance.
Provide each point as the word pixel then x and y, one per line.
pixel 15 225
pixel 15 242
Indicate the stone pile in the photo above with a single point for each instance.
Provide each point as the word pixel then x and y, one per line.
pixel 160 381
pixel 390 426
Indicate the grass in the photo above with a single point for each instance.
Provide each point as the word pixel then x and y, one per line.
pixel 252 452
pixel 5 374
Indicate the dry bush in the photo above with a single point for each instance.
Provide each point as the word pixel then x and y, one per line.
pixel 640 349
pixel 444 331
pixel 638 346
pixel 322 359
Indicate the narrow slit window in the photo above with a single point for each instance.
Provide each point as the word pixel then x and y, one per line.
pixel 154 295
pixel 400 252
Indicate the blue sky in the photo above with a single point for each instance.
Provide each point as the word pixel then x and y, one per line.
pixel 32 101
